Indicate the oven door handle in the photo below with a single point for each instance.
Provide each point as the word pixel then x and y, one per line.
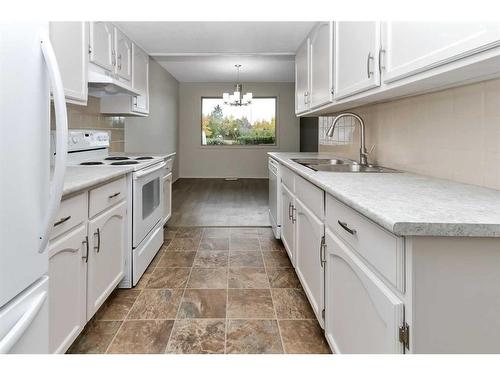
pixel 144 172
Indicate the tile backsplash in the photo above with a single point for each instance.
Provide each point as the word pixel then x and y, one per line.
pixel 452 134
pixel 89 117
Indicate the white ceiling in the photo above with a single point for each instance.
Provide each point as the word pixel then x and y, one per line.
pixel 208 51
pixel 217 68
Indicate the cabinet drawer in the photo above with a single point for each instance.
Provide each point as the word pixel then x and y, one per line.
pixel 381 249
pixel 168 167
pixel 288 177
pixel 72 212
pixel 311 195
pixel 107 195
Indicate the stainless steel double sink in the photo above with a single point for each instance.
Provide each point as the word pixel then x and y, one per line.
pixel 341 165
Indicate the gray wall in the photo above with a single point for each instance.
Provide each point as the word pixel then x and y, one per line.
pixel 232 161
pixel 157 133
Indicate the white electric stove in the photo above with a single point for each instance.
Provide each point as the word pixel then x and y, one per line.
pixel 90 149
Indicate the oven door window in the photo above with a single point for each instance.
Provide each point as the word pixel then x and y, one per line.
pixel 150 197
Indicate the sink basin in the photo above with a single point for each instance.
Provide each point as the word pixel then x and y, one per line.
pixel 311 161
pixel 351 168
pixel 341 165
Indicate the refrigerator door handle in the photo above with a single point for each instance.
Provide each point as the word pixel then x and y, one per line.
pixel 61 148
pixel 15 333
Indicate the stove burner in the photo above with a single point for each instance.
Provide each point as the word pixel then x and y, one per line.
pixel 144 158
pixel 92 163
pixel 117 158
pixel 124 162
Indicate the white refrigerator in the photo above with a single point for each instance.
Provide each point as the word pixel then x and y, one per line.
pixel 30 189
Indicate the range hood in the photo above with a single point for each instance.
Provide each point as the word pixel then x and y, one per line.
pixel 104 83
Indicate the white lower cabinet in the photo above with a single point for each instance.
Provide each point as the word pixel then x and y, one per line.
pixel 287 222
pixel 106 255
pixel 362 314
pixel 308 249
pixel 167 197
pixel 68 287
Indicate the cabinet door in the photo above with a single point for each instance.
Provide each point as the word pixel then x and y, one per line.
pixel 322 64
pixel 167 197
pixel 123 55
pixel 140 80
pixel 362 315
pixel 71 46
pixel 102 48
pixel 413 47
pixel 308 265
pixel 68 286
pixel 287 223
pixel 106 256
pixel 302 78
pixel 357 46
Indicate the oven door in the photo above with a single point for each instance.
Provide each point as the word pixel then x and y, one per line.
pixel 148 201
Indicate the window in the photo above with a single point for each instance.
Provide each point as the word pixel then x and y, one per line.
pixel 254 124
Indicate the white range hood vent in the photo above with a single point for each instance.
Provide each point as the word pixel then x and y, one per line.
pixel 104 83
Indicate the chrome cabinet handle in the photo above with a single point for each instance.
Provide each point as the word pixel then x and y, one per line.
pixel 346 227
pixel 294 217
pixel 120 61
pixel 322 251
pixel 62 220
pixel 114 195
pixel 289 211
pixel 98 247
pixel 86 256
pixel 368 60
pixel 381 51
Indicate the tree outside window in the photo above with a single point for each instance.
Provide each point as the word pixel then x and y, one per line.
pixel 254 124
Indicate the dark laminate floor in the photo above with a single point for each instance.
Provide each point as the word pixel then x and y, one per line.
pixel 217 202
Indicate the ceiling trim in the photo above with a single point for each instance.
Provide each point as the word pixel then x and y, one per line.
pixel 208 54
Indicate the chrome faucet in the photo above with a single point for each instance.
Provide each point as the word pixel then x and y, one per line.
pixel 363 154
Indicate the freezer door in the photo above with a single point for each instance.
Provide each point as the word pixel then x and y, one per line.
pixel 24 156
pixel 24 322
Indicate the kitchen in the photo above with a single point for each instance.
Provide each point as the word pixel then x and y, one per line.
pixel 312 187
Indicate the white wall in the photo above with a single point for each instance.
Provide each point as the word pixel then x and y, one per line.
pixel 157 133
pixel 232 161
pixel 452 134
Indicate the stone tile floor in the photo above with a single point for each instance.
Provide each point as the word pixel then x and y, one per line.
pixel 209 290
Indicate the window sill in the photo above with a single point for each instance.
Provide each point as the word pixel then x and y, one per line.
pixel 238 147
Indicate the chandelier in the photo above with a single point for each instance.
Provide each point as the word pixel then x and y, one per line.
pixel 237 98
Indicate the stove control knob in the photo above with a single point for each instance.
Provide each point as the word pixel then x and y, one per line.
pixel 74 140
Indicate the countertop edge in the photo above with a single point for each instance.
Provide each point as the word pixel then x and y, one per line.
pixel 75 187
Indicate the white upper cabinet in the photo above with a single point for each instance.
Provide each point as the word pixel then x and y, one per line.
pixel 132 105
pixel 141 79
pixel 413 47
pixel 357 47
pixel 71 46
pixel 302 78
pixel 123 55
pixel 102 48
pixel 362 314
pixel 321 64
